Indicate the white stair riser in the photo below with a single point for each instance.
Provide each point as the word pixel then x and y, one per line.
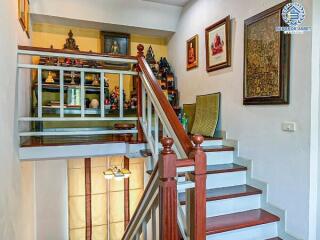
pixel 223 157
pixel 208 143
pixel 260 232
pixel 133 148
pixel 226 179
pixel 232 205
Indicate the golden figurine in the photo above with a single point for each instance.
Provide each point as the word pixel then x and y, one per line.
pixel 50 78
pixel 115 48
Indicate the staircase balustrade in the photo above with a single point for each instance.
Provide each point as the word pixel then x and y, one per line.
pixel 159 203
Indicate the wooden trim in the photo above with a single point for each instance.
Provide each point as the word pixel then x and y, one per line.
pixel 196 206
pixel 168 192
pixel 126 194
pixel 87 163
pixel 63 51
pixel 169 111
pixel 185 163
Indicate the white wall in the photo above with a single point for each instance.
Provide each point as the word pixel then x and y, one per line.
pixel 11 34
pixel 280 159
pixel 135 13
pixel 51 194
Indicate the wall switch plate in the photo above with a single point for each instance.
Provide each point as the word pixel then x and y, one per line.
pixel 289 126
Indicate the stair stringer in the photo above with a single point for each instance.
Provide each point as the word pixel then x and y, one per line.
pixel 265 204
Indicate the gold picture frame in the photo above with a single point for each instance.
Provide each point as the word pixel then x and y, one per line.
pixel 192 52
pixel 24 15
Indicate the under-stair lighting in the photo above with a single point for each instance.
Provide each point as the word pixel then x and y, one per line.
pixel 116 173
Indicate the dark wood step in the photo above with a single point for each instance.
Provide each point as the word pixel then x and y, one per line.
pixel 218 148
pixel 224 168
pixel 276 238
pixel 219 168
pixel 225 193
pixel 239 220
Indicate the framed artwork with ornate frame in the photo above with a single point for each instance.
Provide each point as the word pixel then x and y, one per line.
pixel 266 59
pixel 21 14
pixel 24 15
pixel 218 45
pixel 192 52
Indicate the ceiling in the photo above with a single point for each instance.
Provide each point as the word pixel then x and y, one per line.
pixel 180 3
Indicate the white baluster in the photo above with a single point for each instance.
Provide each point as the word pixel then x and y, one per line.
pixel 144 230
pixel 83 95
pixel 102 97
pixel 143 104
pixel 61 94
pixel 39 92
pixel 121 96
pixel 154 222
pixel 149 117
pixel 156 137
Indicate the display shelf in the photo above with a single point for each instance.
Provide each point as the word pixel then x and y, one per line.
pixel 52 87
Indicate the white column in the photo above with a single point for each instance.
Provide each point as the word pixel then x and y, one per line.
pixel 83 95
pixel 102 97
pixel 61 94
pixel 39 92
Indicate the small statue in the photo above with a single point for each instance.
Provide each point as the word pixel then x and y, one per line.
pixel 150 57
pixel 71 43
pixel 50 78
pixel 115 48
pixel 95 81
pixel 73 75
pixel 94 103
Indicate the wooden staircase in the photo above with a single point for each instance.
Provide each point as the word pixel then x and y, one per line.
pixel 233 207
pixel 195 185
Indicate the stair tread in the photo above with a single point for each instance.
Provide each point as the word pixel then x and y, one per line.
pixel 276 238
pixel 239 220
pixel 217 148
pixel 208 138
pixel 215 194
pixel 223 168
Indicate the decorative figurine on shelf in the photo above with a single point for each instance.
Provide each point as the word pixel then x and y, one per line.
pixel 50 78
pixel 73 75
pixel 71 43
pixel 150 57
pixel 115 48
pixel 133 102
pixel 114 98
pixel 95 81
pixel 94 103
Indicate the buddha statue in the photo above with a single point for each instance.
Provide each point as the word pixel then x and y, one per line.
pixel 115 48
pixel 71 42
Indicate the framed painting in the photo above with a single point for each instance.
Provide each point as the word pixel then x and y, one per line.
pixel 115 43
pixel 27 17
pixel 192 52
pixel 266 59
pixel 218 45
pixel 21 13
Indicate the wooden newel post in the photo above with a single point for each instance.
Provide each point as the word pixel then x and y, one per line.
pixel 168 192
pixel 196 197
pixel 140 53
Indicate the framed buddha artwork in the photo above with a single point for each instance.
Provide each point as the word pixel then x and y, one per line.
pixel 192 52
pixel 266 59
pixel 218 45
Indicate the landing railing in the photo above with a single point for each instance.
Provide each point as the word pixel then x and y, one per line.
pixel 159 203
pixel 81 113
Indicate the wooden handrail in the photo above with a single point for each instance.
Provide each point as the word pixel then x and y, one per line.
pixel 185 163
pixel 140 205
pixel 169 111
pixel 73 52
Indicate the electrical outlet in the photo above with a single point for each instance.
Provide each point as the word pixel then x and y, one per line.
pixel 289 126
